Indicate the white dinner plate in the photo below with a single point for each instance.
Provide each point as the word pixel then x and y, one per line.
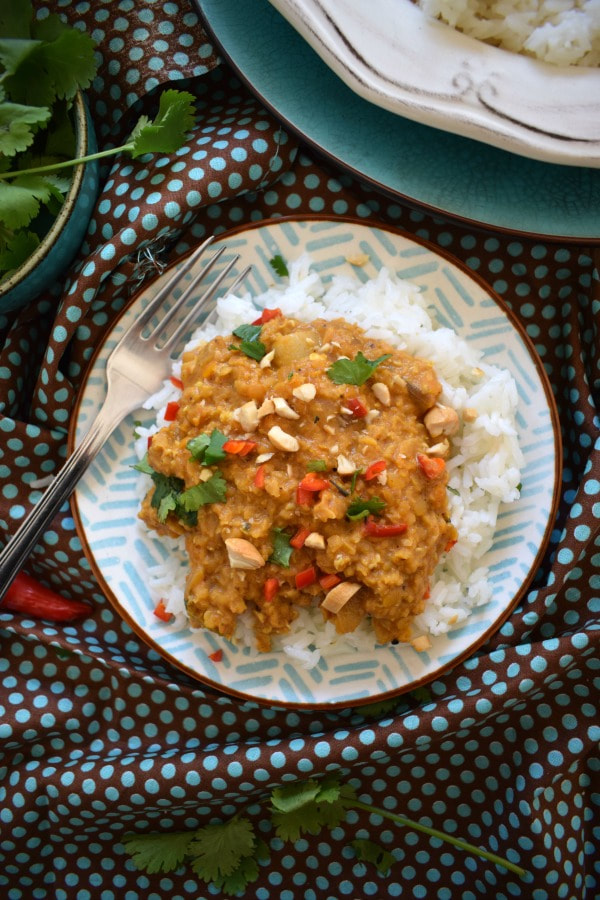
pixel 391 54
pixel 106 502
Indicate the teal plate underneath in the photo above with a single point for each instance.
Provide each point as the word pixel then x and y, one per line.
pixel 434 169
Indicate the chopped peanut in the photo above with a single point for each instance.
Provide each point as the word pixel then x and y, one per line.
pixel 205 474
pixel 339 596
pixel 305 392
pixel 267 360
pixel 247 416
pixel 421 643
pixel 441 420
pixel 469 414
pixel 358 259
pixel 345 466
pixel 266 408
pixel 262 458
pixel 315 541
pixel 281 440
pixel 242 554
pixel 440 449
pixel 283 409
pixel 382 392
pixel 372 415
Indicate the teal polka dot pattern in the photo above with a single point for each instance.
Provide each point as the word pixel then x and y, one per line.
pixel 99 736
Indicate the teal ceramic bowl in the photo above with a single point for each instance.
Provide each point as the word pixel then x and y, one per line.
pixel 63 240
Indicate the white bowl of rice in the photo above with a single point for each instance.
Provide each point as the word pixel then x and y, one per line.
pixel 503 484
pixel 521 75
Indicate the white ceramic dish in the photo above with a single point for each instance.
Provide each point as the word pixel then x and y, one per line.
pixel 106 500
pixel 389 53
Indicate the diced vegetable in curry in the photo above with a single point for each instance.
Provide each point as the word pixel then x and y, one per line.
pixel 300 469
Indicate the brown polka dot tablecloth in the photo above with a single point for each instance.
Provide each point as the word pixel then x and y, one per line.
pixel 101 737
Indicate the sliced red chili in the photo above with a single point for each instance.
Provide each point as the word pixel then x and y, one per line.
pixel 450 545
pixel 329 581
pixel 357 408
pixel 304 497
pixel 239 448
pixel 306 577
pixel 374 529
pixel 217 656
pixel 312 481
pixel 149 441
pixel 270 588
pixel 431 466
pixel 375 469
pixel 171 411
pixel 259 478
pixel 28 596
pixel 161 613
pixel 176 382
pixel 267 315
pixel 298 540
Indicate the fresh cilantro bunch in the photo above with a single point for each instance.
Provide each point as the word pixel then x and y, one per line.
pixel 228 854
pixel 43 65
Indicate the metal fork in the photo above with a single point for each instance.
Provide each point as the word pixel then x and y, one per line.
pixel 135 369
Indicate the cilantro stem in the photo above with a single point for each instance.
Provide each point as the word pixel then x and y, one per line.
pixel 52 167
pixel 433 832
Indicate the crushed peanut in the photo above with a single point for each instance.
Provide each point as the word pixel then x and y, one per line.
pixel 345 466
pixel 382 392
pixel 315 541
pixel 339 596
pixel 421 643
pixel 242 554
pixel 305 392
pixel 283 409
pixel 469 414
pixel 281 440
pixel 441 420
pixel 358 259
pixel 247 415
pixel 267 360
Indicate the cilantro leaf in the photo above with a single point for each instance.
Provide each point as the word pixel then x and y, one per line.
pixel 15 19
pixel 247 332
pixel 369 851
pixel 360 508
pixel 354 371
pixel 50 69
pixel 167 131
pixel 144 466
pixel 13 255
pixel 20 200
pixel 217 850
pixel 212 491
pixel 290 797
pixel 167 489
pixel 316 465
pixel 254 349
pixel 240 878
pixel 308 806
pixel 157 852
pixel 282 551
pixel 279 267
pixel 208 449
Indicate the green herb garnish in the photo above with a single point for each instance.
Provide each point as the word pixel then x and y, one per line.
pixel 247 332
pixel 354 371
pixel 227 855
pixel 43 64
pixel 354 479
pixel 282 551
pixel 208 449
pixel 360 509
pixel 279 267
pixel 170 495
pixel 316 465
pixel 250 345
pixel 214 490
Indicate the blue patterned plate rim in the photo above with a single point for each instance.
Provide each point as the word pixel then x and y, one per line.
pixel 108 530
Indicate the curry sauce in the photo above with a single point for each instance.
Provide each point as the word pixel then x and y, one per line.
pixel 309 489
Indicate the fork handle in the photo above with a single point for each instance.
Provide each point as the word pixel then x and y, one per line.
pixel 20 545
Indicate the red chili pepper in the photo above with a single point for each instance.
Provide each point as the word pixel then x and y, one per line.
pixel 259 478
pixel 304 497
pixel 306 577
pixel 26 595
pixel 239 448
pixel 176 382
pixel 450 545
pixel 161 613
pixel 267 315
pixel 329 581
pixel 374 529
pixel 298 540
pixel 149 441
pixel 171 411
pixel 312 481
pixel 427 594
pixel 217 656
pixel 432 466
pixel 374 469
pixel 270 588
pixel 357 408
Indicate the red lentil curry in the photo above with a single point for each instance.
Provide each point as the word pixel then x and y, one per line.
pixel 304 464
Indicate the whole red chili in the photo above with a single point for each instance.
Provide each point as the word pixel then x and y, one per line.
pixel 26 595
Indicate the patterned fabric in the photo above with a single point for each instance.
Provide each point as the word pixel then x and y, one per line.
pixel 100 736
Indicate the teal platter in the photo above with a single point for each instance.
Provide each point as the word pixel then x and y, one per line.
pixel 443 173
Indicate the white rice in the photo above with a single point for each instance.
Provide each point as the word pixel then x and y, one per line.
pixel 562 32
pixel 484 469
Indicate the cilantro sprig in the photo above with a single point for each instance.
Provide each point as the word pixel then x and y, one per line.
pixel 208 449
pixel 361 508
pixel 279 266
pixel 43 64
pixel 250 344
pixel 354 371
pixel 282 550
pixel 228 854
pixel 171 496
